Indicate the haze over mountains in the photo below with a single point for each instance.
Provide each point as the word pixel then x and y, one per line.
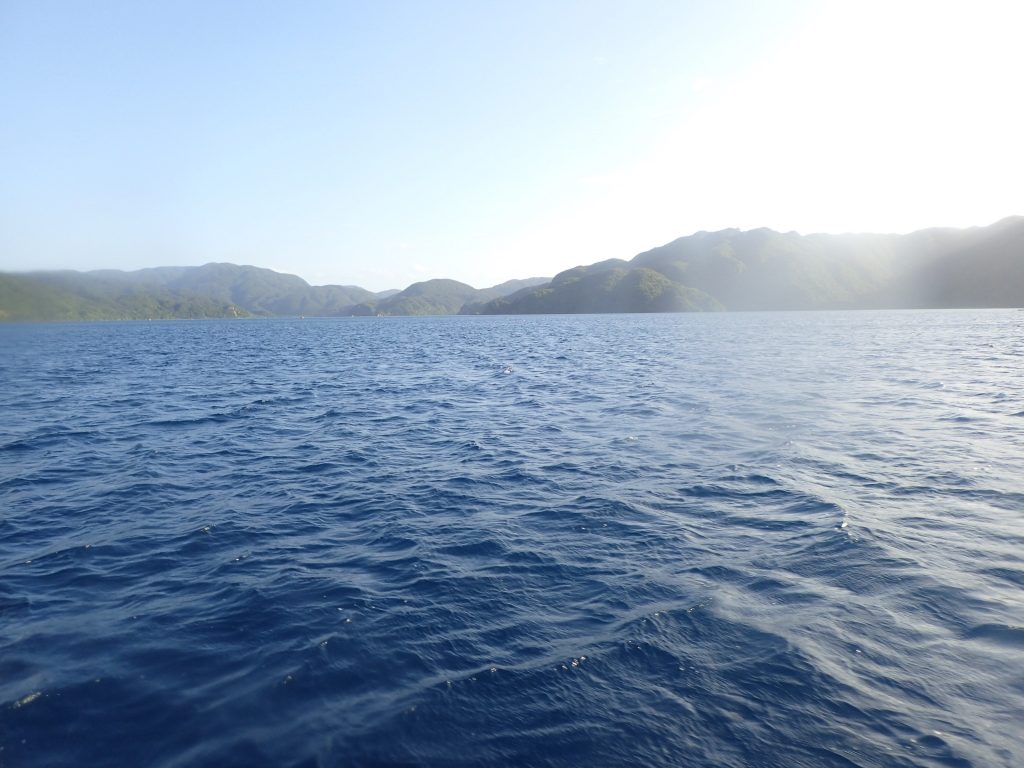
pixel 727 270
pixel 221 290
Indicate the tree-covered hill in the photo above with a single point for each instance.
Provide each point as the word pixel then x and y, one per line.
pixel 605 287
pixel 212 290
pixel 441 297
pixel 260 291
pixel 73 296
pixel 978 267
pixel 766 270
pixel 754 270
pixel 220 290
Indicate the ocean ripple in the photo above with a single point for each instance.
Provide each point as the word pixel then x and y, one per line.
pixel 775 540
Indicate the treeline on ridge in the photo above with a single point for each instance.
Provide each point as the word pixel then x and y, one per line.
pixel 726 270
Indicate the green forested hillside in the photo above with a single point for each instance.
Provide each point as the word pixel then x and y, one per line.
pixel 260 291
pixel 441 297
pixel 220 290
pixel 766 270
pixel 602 288
pixel 755 270
pixel 431 297
pixel 212 290
pixel 67 296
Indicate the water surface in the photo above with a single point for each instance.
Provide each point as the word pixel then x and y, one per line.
pixel 791 539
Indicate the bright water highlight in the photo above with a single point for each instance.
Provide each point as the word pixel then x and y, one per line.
pixel 790 539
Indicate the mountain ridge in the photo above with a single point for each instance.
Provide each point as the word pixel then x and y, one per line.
pixel 730 269
pixel 761 269
pixel 216 290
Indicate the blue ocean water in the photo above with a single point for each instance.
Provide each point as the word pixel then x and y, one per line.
pixel 791 539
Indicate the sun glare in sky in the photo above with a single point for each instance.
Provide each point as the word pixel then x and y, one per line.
pixel 482 142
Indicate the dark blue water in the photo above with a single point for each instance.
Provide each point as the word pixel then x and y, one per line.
pixel 730 540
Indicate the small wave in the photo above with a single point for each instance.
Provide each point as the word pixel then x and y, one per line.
pixel 1012 575
pixel 194 421
pixel 1001 634
pixel 376 553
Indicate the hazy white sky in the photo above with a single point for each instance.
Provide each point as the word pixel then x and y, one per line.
pixel 383 143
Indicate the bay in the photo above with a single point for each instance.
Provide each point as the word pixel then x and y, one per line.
pixel 779 539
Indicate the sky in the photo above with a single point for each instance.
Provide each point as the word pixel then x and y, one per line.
pixel 382 143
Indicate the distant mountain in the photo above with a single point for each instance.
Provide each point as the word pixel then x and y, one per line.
pixel 755 270
pixel 511 286
pixel 431 297
pixel 212 290
pixel 441 297
pixel 220 290
pixel 978 267
pixel 765 270
pixel 610 286
pixel 78 296
pixel 259 291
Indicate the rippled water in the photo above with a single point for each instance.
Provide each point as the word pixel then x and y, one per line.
pixel 705 540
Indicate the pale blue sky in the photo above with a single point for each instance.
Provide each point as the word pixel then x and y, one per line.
pixel 386 142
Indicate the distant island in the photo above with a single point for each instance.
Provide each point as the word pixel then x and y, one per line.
pixel 727 270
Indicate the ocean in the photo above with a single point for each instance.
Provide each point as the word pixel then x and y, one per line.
pixel 771 540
